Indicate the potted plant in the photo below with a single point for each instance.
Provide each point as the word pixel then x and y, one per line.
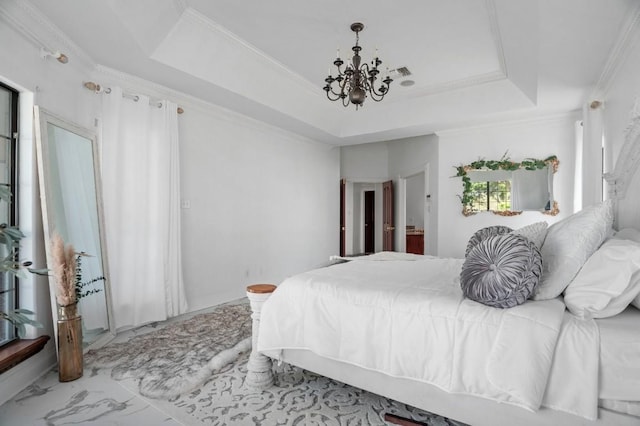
pixel 69 289
pixel 10 237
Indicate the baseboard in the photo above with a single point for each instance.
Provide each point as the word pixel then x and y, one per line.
pixel 22 375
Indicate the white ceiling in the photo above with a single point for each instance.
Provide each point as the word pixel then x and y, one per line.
pixel 472 61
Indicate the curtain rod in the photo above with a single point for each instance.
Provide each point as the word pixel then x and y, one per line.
pixel 96 88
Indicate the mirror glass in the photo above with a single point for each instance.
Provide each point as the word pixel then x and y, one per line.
pixel 72 208
pixel 508 188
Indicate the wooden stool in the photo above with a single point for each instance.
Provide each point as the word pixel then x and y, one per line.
pixel 259 373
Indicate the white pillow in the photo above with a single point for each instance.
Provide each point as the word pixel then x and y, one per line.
pixel 568 244
pixel 633 235
pixel 607 282
pixel 534 232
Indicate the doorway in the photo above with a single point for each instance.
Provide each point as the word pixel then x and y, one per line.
pixel 369 221
pixel 414 212
pixel 362 215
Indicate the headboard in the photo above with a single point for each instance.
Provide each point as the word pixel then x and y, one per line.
pixel 623 182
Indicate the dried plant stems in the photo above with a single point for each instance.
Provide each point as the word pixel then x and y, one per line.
pixel 64 271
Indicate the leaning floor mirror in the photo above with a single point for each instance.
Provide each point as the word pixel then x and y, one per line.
pixel 68 170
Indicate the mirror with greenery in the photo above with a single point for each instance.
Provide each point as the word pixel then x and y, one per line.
pixel 507 187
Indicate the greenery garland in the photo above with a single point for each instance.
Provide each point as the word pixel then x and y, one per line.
pixel 502 164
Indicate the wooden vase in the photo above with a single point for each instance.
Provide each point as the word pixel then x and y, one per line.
pixel 70 363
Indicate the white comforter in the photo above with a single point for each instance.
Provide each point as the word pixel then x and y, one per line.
pixel 409 319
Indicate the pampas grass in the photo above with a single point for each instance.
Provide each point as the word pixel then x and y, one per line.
pixel 64 271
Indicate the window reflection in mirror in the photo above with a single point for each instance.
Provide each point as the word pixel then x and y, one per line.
pixel 489 196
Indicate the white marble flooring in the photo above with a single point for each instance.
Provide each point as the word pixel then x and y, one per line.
pixel 93 399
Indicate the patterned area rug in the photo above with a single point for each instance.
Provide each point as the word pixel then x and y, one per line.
pixel 297 398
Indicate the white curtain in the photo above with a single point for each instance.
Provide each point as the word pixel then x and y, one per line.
pixel 592 155
pixel 141 187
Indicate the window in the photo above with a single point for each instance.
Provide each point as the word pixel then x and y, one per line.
pixel 8 128
pixel 493 195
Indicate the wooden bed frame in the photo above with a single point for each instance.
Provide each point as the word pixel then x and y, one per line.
pixel 466 408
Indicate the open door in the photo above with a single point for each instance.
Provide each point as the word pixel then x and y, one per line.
pixel 343 183
pixel 388 224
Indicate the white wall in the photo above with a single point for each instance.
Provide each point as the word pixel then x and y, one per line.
pixel 415 200
pixel 364 162
pixel 538 138
pixel 264 205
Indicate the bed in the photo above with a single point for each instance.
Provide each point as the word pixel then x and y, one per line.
pixel 400 326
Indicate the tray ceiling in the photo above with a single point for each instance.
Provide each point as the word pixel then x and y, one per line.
pixel 471 60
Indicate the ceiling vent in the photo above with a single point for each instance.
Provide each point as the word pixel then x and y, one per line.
pixel 400 72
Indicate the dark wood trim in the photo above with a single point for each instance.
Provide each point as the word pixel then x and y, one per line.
pixel 397 420
pixel 388 221
pixel 17 351
pixel 343 215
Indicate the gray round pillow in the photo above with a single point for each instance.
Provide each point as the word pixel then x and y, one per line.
pixel 501 271
pixel 484 233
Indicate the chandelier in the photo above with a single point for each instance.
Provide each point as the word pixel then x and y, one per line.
pixel 357 81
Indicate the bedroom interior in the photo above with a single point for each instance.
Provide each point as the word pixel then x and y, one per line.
pixel 213 130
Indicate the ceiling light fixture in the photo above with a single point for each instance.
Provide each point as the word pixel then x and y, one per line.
pixel 357 79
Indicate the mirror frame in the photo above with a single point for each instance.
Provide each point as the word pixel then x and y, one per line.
pixel 43 117
pixel 504 164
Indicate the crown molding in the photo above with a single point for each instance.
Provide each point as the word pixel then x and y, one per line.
pixel 629 35
pixel 267 60
pixel 35 27
pixel 130 83
pixel 180 6
pixel 463 83
pixel 515 122
pixel 497 37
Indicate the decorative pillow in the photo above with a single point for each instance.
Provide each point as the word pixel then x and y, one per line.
pixel 607 282
pixel 535 232
pixel 485 233
pixel 501 271
pixel 568 244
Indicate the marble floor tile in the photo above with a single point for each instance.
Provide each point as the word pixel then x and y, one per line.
pixel 93 399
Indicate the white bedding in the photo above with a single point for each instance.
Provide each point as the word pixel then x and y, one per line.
pixel 620 356
pixel 409 319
